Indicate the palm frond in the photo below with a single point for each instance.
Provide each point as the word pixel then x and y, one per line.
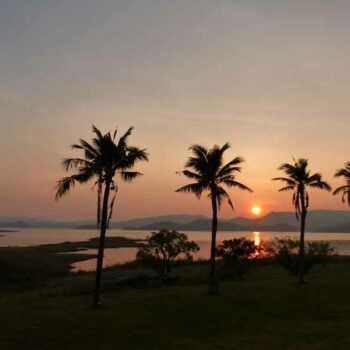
pixel 224 148
pixel 69 163
pixel 66 183
pixel 345 172
pixel 99 199
pixel 199 150
pixel 63 186
pixel 341 189
pixel 192 175
pixel 115 133
pixel 221 195
pixel 287 188
pixel 128 176
pixel 89 151
pixel 234 183
pixel 138 154
pixel 287 168
pixel 296 202
pixel 287 180
pixel 341 172
pixel 199 165
pixel 126 159
pixel 322 185
pixel 313 178
pixel 199 162
pixel 97 132
pixel 123 139
pixel 215 159
pixel 111 206
pixel 231 167
pixel 346 194
pixel 196 188
pixel 229 171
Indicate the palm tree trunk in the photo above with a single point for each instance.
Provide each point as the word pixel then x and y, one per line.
pixel 302 243
pixel 213 283
pixel 101 246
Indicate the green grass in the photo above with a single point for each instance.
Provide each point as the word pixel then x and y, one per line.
pixel 267 311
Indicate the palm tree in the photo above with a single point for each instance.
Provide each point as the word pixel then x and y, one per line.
pixel 345 190
pixel 206 168
pixel 299 180
pixel 103 160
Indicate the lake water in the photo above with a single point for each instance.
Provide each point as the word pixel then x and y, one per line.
pixel 33 237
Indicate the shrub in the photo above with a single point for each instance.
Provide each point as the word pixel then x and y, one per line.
pixel 238 253
pixel 163 249
pixel 286 250
pixel 320 251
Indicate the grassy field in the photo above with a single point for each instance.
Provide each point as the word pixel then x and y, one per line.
pixel 266 311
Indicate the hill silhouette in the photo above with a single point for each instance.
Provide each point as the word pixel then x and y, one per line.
pixel 318 221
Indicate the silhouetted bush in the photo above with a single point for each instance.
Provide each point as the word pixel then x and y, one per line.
pixel 163 249
pixel 238 254
pixel 320 251
pixel 286 252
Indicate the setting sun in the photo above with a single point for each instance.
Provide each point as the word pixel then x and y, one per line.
pixel 256 210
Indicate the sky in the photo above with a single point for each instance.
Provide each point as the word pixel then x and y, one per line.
pixel 270 77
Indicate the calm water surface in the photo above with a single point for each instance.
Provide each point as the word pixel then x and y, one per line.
pixel 33 237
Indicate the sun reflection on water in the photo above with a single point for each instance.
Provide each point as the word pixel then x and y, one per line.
pixel 257 238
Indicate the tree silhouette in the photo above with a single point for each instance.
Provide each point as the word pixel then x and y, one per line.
pixel 345 189
pixel 103 160
pixel 163 248
pixel 206 168
pixel 299 180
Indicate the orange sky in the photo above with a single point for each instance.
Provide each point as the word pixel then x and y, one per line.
pixel 271 79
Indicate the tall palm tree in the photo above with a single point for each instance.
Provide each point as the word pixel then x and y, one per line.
pixel 299 180
pixel 103 160
pixel 345 189
pixel 206 168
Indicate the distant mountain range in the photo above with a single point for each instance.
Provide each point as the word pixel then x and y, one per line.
pixel 23 222
pixel 317 221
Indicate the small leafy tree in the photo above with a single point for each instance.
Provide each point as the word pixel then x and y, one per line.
pixel 163 248
pixel 320 251
pixel 286 253
pixel 238 254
